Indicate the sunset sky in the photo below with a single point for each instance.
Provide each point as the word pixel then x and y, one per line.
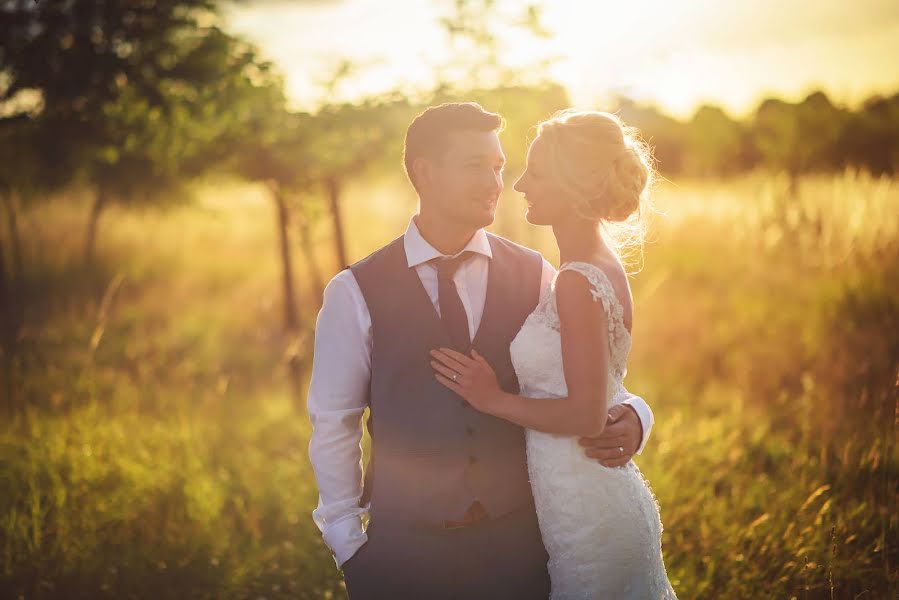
pixel 675 53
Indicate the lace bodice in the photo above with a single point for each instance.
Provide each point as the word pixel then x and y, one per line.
pixel 537 349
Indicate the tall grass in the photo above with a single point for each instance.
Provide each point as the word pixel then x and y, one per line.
pixel 160 455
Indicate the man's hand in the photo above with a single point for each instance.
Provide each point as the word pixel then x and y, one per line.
pixel 619 440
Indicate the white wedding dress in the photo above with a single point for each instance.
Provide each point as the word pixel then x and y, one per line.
pixel 600 525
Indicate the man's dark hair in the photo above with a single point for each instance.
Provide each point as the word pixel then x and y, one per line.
pixel 428 134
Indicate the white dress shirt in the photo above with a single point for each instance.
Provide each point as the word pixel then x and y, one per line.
pixel 341 371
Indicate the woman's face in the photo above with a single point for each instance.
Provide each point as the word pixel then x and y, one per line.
pixel 547 204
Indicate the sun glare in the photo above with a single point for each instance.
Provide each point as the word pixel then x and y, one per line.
pixel 674 54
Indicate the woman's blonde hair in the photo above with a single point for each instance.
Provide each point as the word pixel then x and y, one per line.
pixel 605 168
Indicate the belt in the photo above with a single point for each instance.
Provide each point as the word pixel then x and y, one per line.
pixel 475 513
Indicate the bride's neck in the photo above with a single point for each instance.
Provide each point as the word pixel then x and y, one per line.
pixel 578 240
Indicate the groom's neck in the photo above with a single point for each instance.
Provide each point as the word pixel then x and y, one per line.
pixel 445 236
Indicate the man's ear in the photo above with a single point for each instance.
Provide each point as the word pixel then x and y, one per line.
pixel 421 170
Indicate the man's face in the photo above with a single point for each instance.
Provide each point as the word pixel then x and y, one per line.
pixel 464 185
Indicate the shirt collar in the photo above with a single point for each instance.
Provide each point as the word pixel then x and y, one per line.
pixel 419 251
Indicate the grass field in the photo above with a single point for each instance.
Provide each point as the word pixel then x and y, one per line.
pixel 161 454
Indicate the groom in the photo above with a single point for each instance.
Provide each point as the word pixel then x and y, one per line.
pixel 447 490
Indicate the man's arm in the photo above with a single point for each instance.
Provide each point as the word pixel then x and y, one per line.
pixel 338 393
pixel 626 432
pixel 644 414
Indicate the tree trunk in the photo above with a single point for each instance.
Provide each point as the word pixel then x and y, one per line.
pixel 12 219
pixel 13 279
pixel 291 322
pixel 793 185
pixel 791 207
pixel 12 303
pixel 333 186
pixel 5 299
pixel 8 333
pixel 315 276
pixel 90 240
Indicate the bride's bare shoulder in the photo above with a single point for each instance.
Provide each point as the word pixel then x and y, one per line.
pixel 617 276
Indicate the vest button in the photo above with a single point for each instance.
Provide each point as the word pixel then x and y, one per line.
pixel 472 460
pixel 469 430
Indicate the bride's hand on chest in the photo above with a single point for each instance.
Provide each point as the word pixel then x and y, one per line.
pixel 471 377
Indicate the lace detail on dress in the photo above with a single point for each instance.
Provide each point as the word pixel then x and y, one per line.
pixel 619 336
pixel 601 526
pixel 545 312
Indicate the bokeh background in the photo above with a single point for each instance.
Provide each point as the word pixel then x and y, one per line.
pixel 179 179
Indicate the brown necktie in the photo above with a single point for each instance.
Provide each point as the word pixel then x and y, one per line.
pixel 452 311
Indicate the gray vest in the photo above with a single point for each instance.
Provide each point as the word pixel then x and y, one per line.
pixel 433 454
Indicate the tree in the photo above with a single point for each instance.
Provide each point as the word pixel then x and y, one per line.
pixel 272 155
pixel 349 138
pixel 18 176
pixel 131 85
pixel 272 147
pixel 716 143
pixel 871 136
pixel 141 97
pixel 30 168
pixel 475 30
pixel 667 136
pixel 799 138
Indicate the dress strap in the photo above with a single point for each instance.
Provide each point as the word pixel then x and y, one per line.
pixel 602 291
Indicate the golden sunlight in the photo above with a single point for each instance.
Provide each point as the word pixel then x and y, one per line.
pixel 194 349
pixel 673 54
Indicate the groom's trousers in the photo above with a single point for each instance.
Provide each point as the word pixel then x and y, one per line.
pixel 492 559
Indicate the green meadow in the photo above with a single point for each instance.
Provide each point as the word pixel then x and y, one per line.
pixel 161 451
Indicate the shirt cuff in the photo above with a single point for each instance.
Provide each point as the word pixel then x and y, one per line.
pixel 345 537
pixel 644 413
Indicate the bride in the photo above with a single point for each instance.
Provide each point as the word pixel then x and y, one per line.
pixel 600 525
